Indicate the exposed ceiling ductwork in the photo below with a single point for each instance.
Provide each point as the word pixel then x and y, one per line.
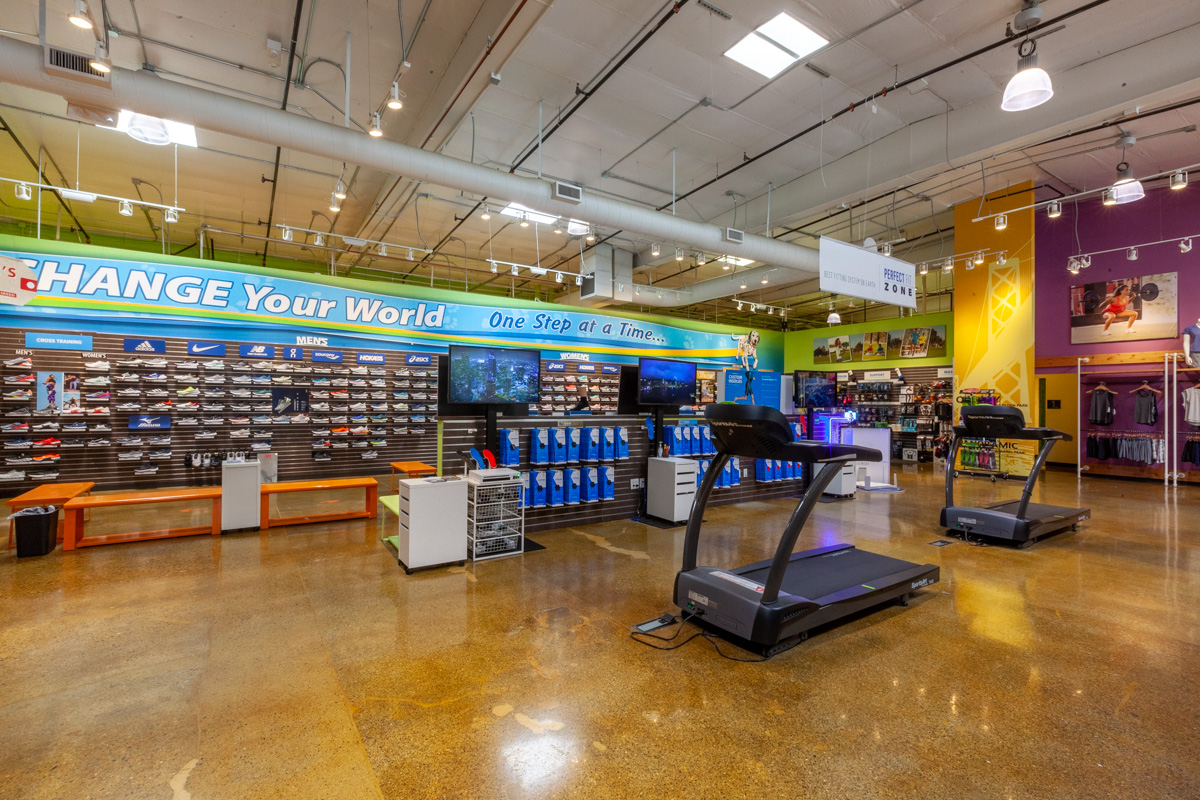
pixel 22 64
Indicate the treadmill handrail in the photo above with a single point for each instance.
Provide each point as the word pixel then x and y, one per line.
pixel 1046 444
pixel 691 536
pixel 1032 434
pixel 819 480
pixel 810 452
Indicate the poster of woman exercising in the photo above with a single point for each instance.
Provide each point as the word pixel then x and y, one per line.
pixel 747 354
pixel 1124 309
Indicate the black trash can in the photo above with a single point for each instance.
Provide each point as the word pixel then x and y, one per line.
pixel 37 530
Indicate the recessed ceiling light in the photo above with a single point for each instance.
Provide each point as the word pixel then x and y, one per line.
pixel 776 45
pixel 154 130
pixel 518 210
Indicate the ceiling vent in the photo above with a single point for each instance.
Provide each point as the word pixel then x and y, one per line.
pixel 735 236
pixel 568 192
pixel 64 63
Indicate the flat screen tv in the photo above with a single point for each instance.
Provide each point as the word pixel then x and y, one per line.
pixel 493 375
pixel 814 389
pixel 666 383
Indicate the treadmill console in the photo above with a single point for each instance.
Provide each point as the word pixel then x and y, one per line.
pixel 992 422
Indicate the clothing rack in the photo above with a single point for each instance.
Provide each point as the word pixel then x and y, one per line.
pixel 1126 388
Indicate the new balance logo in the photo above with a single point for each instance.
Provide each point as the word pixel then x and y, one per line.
pixel 257 350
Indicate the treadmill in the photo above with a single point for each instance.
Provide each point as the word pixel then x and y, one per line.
pixel 1017 521
pixel 770 606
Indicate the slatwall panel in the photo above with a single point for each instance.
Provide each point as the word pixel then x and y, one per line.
pixel 913 376
pixel 602 388
pixel 291 442
pixel 465 433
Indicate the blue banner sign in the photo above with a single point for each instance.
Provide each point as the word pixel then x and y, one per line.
pixel 328 356
pixel 418 360
pixel 586 367
pixel 205 349
pixel 610 369
pixel 256 351
pixel 139 423
pixel 145 345
pixel 57 341
pixel 293 353
pixel 372 358
pixel 763 388
pixel 555 366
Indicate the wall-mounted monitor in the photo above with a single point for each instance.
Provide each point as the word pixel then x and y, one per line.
pixel 666 383
pixel 493 375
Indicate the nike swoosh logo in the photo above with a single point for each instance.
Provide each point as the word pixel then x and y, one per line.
pixel 205 349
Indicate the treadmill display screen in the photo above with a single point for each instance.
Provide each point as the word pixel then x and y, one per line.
pixel 814 389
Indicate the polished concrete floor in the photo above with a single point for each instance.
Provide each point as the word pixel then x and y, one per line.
pixel 305 664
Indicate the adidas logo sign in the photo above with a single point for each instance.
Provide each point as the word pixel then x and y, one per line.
pixel 144 347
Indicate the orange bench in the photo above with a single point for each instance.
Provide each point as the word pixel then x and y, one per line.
pixel 73 536
pixel 369 484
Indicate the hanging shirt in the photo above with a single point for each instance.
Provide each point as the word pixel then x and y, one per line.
pixel 1145 408
pixel 1101 410
pixel 1191 405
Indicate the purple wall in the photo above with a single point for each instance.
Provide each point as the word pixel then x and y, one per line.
pixel 1161 214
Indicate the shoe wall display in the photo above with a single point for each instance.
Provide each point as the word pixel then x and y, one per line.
pixel 115 412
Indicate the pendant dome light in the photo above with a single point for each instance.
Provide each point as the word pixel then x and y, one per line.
pixel 1030 86
pixel 1127 188
pixel 834 317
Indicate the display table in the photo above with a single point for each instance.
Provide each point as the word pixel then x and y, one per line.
pixel 48 494
pixel 433 523
pixel 413 469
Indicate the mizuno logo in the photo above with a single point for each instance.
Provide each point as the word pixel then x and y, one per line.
pixel 198 349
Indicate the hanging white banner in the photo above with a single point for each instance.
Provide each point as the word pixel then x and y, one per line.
pixel 857 272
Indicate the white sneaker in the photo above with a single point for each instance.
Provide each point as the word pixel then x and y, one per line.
pixel 101 366
pixel 12 475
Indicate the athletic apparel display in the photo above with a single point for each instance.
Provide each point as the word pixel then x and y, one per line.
pixel 1191 406
pixel 1102 410
pixel 1191 452
pixel 1018 521
pixel 771 605
pixel 1135 447
pixel 1145 407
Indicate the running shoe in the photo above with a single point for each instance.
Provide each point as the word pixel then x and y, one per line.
pixel 157 393
pixel 206 434
pixel 161 453
pixel 371 454
pixel 20 378
pixel 98 411
pixel 214 392
pixel 260 446
pixel 101 426
pixel 190 406
pixel 358 382
pixel 379 418
pixel 99 380
pixel 20 362
pixel 154 362
pixel 240 379
pixel 300 419
pixel 339 420
pixel 158 440
pixel 129 406
pixel 239 392
pixel 359 395
pixel 23 411
pixel 47 458
pixel 339 394
pixel 218 379
pixel 340 431
pixel 261 419
pixel 378 432
pixel 164 405
pixel 239 420
pixel 240 433
pixel 302 369
pixel 400 406
pixel 377 382
pixel 319 395
pixel 281 367
pixel 19 394
pixel 73 443
pixel 284 420
pixel 98 366
pixel 321 444
pixel 18 461
pixel 416 430
pixel 360 431
pixel 339 382
pixel 319 407
pixel 212 420
pixel 378 442
pixel 129 392
pixel 46 426
pixel 128 377
pixel 49 441
pixel 260 365
pixel 340 445
pixel 44 475
pixel 359 443
pixel 186 378
pixel 156 377
pixel 400 395
pixel 129 441
pixel 261 379
pixel 130 362
pixel 418 418
pixel 320 382
pixel 322 370
pixel 420 373
pixel 187 365
pixel 212 407
pixel 74 427
pixel 379 371
pixel 319 432
pixel 379 406
pixel 321 420
pixel 187 421
pixel 18 444
pixel 358 406
pixel 408 384
pixel 12 475
pixel 322 457
pixel 261 433
pixel 261 407
pixel 216 364
pixel 242 366
pixel 241 407
pixel 378 395
pixel 403 373
pixel 399 419
pixel 148 469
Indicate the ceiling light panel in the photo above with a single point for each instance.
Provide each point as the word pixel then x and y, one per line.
pixel 521 212
pixel 776 45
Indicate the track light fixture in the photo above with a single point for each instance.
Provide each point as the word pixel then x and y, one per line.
pixel 524 222
pixel 487 214
pixel 770 311
pixel 783 313
pixel 923 268
pixel 1001 222
pixel 1054 210
pixel 654 250
pixel 834 317
pixel 495 269
pixel 1031 86
pixel 591 235
pixel 754 308
pixel 1185 245
pixel 948 265
pixel 287 234
pixel 81 17
pixel 558 277
pixel 978 259
pixel 558 227
pixel 1073 266
pixel 763 281
pixel 335 205
pixel 101 62
pixel 1131 254
pixel 383 251
pixel 376 129
pixel 1179 179
pixel 23 191
pixel 514 270
pixel 339 191
pixel 885 249
pixel 1108 198
pixel 700 260
pixel 739 302
pixel 1002 258
pixel 679 254
pixel 743 285
pixel 1126 189
pixel 394 102
pixel 970 264
pixel 579 280
pixel 125 208
pixel 171 216
pixel 319 240
pixel 410 254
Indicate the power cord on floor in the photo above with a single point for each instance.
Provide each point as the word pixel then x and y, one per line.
pixel 699 633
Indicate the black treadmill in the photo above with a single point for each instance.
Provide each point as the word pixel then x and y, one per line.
pixel 771 605
pixel 1017 521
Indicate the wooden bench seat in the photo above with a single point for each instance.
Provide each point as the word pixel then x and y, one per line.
pixel 74 534
pixel 370 485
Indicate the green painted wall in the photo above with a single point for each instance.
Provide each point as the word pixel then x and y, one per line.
pixel 798 345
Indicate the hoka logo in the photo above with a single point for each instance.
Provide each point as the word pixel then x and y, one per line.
pixel 144 347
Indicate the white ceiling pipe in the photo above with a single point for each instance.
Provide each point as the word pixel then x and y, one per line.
pixel 1161 69
pixel 21 64
pixel 713 288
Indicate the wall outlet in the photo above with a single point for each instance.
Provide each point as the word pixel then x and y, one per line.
pixel 637 483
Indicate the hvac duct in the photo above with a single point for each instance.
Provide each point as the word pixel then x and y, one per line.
pixel 21 64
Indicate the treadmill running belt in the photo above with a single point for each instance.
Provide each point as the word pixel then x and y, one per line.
pixel 816 577
pixel 1035 511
